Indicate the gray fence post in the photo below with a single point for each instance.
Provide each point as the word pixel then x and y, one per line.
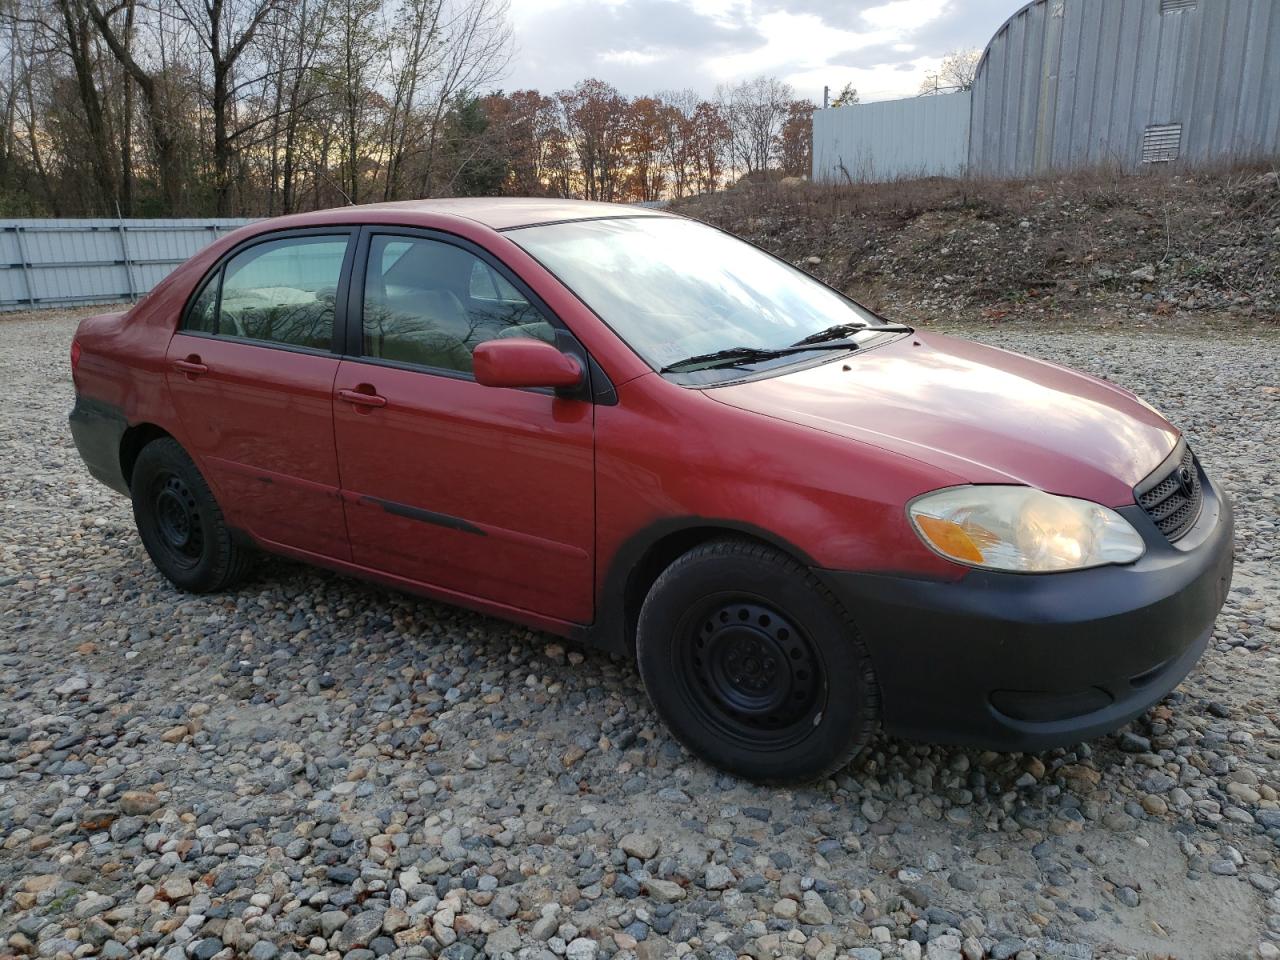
pixel 128 264
pixel 26 264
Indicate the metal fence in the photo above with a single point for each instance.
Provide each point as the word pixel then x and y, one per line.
pixel 892 140
pixel 68 263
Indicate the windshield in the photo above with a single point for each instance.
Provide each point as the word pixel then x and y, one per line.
pixel 676 290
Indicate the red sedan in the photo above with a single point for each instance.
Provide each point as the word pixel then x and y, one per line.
pixel 627 427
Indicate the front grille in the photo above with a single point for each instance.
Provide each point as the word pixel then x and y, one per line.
pixel 1173 500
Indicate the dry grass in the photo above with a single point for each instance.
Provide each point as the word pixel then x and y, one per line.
pixel 1212 237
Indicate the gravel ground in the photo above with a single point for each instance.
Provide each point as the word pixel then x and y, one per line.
pixel 315 767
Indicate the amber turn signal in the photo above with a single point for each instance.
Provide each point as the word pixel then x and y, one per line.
pixel 950 539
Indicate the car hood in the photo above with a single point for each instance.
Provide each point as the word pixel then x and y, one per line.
pixel 977 412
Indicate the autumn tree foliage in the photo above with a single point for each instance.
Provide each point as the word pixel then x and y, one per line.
pixel 265 107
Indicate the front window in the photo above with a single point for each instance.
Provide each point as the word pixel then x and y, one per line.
pixel 431 303
pixel 679 291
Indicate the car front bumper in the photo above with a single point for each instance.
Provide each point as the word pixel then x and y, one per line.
pixel 1029 662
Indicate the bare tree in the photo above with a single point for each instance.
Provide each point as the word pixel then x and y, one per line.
pixel 755 111
pixel 474 50
pixel 956 73
pixel 225 28
pixel 156 89
pixel 358 57
pixel 77 35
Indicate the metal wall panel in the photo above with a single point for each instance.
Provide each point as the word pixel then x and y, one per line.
pixel 896 139
pixel 67 263
pixel 1074 83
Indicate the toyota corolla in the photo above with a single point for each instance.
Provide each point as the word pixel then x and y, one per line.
pixel 805 523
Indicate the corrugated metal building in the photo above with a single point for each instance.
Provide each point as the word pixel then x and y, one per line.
pixel 1077 83
pixel 891 140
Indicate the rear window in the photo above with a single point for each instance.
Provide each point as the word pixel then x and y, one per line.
pixel 279 291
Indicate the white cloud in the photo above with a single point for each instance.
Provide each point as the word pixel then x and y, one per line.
pixel 642 46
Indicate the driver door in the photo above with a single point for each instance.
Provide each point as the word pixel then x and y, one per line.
pixel 470 490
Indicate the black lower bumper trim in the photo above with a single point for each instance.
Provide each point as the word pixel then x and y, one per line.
pixel 97 429
pixel 1018 662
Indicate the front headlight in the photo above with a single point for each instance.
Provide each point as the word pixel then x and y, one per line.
pixel 1022 529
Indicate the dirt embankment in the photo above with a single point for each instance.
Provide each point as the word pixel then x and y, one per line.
pixel 1096 247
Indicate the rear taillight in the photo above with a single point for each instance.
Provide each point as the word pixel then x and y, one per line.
pixel 75 355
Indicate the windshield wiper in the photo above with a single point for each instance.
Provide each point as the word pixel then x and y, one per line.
pixel 735 356
pixel 841 330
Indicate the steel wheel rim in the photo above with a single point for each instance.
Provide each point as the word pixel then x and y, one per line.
pixel 751 672
pixel 178 522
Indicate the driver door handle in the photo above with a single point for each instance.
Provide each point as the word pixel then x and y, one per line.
pixel 362 399
pixel 191 366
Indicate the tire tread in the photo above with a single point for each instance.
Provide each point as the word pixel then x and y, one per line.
pixel 232 561
pixel 726 548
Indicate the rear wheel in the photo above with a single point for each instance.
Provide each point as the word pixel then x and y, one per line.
pixel 754 665
pixel 181 525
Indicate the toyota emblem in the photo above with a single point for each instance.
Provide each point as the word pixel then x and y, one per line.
pixel 1186 482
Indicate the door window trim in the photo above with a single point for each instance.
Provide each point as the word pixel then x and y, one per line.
pixel 340 299
pixel 354 347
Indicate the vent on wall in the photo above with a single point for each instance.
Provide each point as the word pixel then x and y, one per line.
pixel 1162 143
pixel 1173 6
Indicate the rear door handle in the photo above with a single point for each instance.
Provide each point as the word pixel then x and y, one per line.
pixel 362 399
pixel 191 366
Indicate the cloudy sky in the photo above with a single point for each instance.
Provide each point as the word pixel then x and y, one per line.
pixel 883 47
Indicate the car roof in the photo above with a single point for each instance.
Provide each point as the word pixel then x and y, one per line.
pixel 505 213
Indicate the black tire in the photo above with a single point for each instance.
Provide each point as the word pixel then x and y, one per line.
pixel 180 523
pixel 754 665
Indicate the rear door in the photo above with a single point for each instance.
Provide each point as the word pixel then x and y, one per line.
pixel 251 373
pixel 483 492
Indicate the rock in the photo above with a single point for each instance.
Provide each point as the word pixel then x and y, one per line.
pixel 582 949
pixel 544 927
pixel 331 921
pixel 139 803
pixel 91 905
pixel 813 910
pixel 395 920
pixel 502 940
pixel 642 846
pixel 1155 805
pixel 177 887
pixel 360 930
pixel 718 877
pixel 1130 742
pixel 664 891
pixel 71 686
pixel 1267 884
pixel 945 947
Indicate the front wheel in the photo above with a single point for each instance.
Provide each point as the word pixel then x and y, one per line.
pixel 180 523
pixel 754 665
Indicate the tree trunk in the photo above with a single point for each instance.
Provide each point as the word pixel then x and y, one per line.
pixel 77 37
